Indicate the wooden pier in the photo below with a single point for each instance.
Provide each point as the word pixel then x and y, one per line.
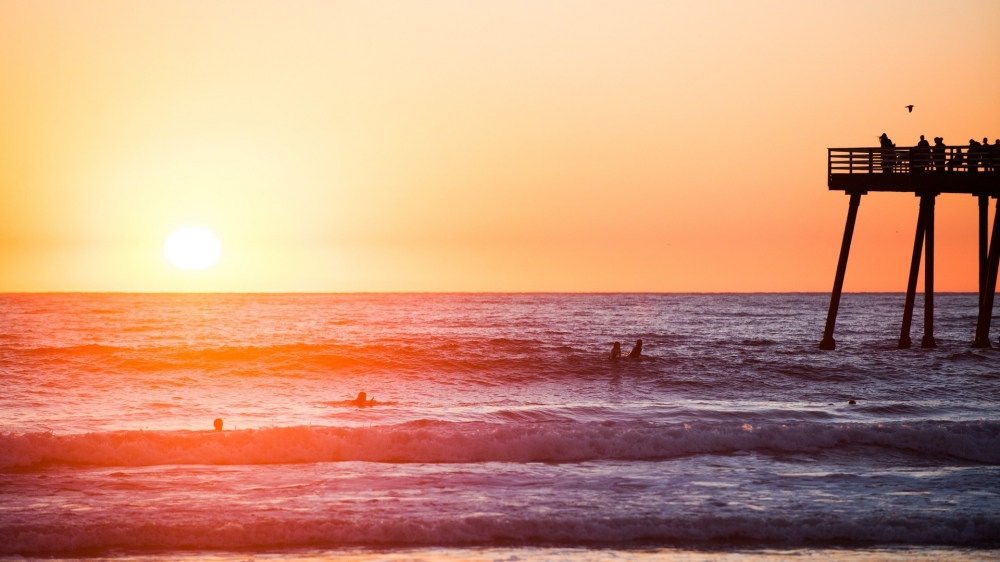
pixel 926 173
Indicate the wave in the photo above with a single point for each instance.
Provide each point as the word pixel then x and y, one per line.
pixel 476 442
pixel 298 359
pixel 231 532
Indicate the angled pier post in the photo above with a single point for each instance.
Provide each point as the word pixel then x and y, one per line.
pixel 984 243
pixel 828 342
pixel 928 339
pixel 986 308
pixel 911 285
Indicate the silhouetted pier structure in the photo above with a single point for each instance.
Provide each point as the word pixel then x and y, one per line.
pixel 927 174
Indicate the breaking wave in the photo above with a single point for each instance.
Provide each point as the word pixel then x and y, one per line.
pixel 449 442
pixel 225 533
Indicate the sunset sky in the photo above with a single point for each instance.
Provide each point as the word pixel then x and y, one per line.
pixel 478 146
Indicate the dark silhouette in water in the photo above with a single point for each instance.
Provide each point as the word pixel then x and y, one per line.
pixel 361 401
pixel 616 351
pixel 218 424
pixel 637 350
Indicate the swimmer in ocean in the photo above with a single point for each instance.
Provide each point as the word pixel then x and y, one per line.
pixel 361 401
pixel 637 350
pixel 616 351
pixel 218 424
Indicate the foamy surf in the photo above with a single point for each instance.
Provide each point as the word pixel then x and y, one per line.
pixel 223 533
pixel 445 442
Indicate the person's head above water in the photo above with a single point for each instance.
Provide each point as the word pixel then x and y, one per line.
pixel 218 424
pixel 637 350
pixel 616 350
pixel 361 397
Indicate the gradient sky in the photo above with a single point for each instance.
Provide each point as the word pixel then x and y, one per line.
pixel 478 146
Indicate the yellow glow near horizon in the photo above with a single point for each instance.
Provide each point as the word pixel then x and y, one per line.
pixel 192 248
pixel 479 146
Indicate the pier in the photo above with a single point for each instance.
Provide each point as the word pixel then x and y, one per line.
pixel 926 173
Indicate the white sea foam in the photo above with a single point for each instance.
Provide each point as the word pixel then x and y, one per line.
pixel 444 442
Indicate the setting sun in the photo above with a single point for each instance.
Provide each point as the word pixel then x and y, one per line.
pixel 192 248
pixel 527 280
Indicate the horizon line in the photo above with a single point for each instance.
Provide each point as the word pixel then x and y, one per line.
pixel 6 293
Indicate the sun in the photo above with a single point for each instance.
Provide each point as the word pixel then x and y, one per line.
pixel 192 247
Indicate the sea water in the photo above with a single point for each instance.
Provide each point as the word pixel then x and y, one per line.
pixel 500 428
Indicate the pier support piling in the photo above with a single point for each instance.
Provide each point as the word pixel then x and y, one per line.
pixel 828 342
pixel 984 243
pixel 911 285
pixel 928 339
pixel 986 307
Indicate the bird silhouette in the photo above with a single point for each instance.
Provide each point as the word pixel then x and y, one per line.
pixel 910 108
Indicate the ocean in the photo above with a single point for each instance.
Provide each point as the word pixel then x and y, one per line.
pixel 500 429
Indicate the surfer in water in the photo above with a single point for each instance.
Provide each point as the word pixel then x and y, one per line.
pixel 616 351
pixel 362 401
pixel 637 350
pixel 218 424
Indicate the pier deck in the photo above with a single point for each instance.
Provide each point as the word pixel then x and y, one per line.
pixel 902 170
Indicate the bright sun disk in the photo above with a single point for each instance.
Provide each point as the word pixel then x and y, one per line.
pixel 192 247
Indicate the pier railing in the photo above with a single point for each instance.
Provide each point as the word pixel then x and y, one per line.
pixel 877 160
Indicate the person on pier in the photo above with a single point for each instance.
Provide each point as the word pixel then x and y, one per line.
pixel 920 155
pixel 975 155
pixel 938 153
pixel 957 158
pixel 888 153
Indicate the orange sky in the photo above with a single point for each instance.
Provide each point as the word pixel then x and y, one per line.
pixel 474 146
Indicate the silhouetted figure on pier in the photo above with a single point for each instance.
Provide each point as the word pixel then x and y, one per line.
pixel 975 155
pixel 616 351
pixel 888 153
pixel 218 424
pixel 938 153
pixel 956 160
pixel 995 155
pixel 920 155
pixel 637 350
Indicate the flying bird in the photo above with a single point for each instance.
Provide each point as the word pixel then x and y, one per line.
pixel 910 108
